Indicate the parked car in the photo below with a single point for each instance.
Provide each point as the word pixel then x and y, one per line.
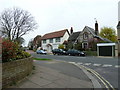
pixel 58 52
pixel 40 52
pixel 75 52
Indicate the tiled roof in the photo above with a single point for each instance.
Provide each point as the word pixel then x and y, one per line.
pixel 74 36
pixel 91 30
pixel 55 34
pixel 96 36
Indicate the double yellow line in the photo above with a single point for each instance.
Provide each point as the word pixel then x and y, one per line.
pixel 104 81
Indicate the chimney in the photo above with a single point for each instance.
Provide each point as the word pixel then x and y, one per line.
pixel 71 30
pixel 96 28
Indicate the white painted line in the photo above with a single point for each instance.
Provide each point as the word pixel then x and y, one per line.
pixel 87 64
pixel 106 65
pixel 117 66
pixel 96 65
pixel 79 63
pixel 72 62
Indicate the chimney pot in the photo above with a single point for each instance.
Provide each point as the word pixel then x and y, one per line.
pixel 71 30
pixel 96 28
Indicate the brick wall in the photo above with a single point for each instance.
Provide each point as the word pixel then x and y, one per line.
pixel 14 71
pixel 0 49
pixel 0 63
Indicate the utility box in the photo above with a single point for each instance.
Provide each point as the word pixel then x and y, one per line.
pixel 106 49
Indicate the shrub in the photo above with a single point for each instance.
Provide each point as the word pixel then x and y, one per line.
pixel 91 53
pixel 22 54
pixel 12 51
pixel 9 50
pixel 61 46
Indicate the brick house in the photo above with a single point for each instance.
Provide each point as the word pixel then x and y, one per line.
pixel 54 39
pixel 37 41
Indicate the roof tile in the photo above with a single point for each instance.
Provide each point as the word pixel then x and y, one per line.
pixel 54 34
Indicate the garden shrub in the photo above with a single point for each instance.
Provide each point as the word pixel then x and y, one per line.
pixel 11 51
pixel 91 53
pixel 22 54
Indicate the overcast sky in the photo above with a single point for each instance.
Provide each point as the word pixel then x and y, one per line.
pixel 54 15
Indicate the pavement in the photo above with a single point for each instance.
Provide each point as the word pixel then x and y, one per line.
pixel 56 74
pixel 46 77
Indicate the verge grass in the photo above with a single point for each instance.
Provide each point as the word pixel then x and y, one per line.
pixel 42 59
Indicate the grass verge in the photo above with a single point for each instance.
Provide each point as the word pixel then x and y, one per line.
pixel 42 59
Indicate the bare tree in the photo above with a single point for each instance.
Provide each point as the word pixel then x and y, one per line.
pixel 14 23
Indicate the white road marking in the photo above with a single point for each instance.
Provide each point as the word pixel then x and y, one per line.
pixel 72 62
pixel 87 64
pixel 96 65
pixel 79 63
pixel 117 66
pixel 106 65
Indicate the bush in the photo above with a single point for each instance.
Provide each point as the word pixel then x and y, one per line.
pixel 11 51
pixel 91 53
pixel 61 46
pixel 22 54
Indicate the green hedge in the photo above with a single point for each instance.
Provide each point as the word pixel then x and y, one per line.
pixel 91 53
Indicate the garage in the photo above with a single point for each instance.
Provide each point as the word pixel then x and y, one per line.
pixel 106 49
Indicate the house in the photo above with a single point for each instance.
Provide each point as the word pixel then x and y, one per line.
pixel 54 39
pixel 88 37
pixel 37 42
pixel 73 36
pixel 72 40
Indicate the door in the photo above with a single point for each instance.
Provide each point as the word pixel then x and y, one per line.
pixel 105 50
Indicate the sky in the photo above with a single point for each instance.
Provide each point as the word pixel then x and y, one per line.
pixel 55 15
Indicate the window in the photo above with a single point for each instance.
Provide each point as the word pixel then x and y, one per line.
pixel 50 40
pixel 85 36
pixel 85 45
pixel 44 41
pixel 57 39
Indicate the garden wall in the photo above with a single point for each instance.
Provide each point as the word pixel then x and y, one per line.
pixel 0 63
pixel 14 71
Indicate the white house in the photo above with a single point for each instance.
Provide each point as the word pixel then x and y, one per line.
pixel 53 40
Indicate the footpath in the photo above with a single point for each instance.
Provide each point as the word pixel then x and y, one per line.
pixel 56 74
pixel 46 77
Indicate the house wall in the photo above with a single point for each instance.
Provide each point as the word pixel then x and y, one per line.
pixel 55 44
pixel 82 39
pixel 65 37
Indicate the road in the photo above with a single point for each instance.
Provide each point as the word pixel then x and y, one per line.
pixel 106 67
